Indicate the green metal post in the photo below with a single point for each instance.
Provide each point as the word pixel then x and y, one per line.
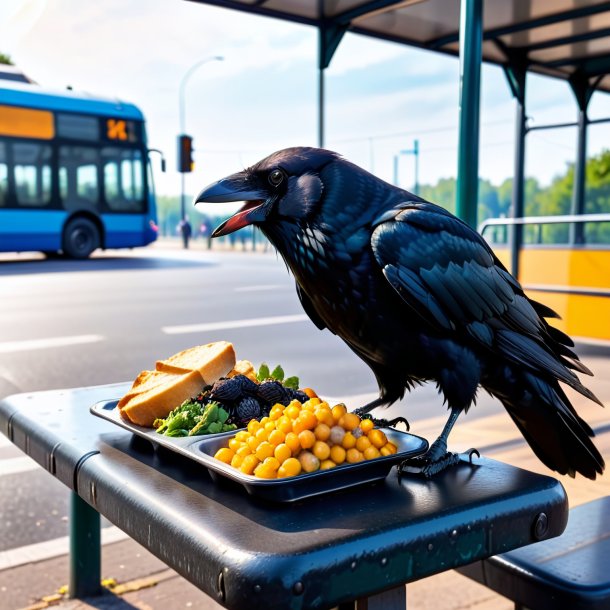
pixel 321 106
pixel 85 549
pixel 516 75
pixel 471 37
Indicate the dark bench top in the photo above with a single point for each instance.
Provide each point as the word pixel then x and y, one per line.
pixel 248 553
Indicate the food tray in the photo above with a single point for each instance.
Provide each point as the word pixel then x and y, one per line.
pixel 201 449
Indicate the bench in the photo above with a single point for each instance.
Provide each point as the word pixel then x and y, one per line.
pixel 354 549
pixel 571 572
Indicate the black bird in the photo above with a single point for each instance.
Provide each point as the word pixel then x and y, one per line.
pixel 418 295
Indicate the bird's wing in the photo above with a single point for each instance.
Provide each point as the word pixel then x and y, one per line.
pixel 449 276
pixel 310 310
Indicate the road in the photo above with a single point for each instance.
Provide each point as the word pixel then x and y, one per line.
pixel 79 323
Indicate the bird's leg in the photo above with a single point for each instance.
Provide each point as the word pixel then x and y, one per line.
pixel 437 458
pixel 364 413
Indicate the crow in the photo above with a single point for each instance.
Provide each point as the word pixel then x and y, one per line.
pixel 418 295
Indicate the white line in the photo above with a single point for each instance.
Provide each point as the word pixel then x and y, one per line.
pixel 9 347
pixel 257 288
pixel 17 465
pixel 206 326
pixel 4 442
pixel 51 548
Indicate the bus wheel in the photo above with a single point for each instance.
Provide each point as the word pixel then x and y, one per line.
pixel 81 238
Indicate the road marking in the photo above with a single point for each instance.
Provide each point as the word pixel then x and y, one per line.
pixel 207 326
pixel 48 549
pixel 17 465
pixel 257 288
pixel 10 347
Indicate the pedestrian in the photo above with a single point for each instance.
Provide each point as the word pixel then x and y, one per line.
pixel 186 231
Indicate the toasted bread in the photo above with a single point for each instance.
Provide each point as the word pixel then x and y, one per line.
pixel 243 367
pixel 146 380
pixel 213 361
pixel 155 393
pixel 143 408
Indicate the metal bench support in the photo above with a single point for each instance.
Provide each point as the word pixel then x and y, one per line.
pixel 85 549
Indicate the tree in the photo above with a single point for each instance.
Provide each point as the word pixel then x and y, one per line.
pixel 6 59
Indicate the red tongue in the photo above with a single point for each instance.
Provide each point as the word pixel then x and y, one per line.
pixel 238 220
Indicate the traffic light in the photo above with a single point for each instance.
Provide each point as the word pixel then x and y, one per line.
pixel 185 154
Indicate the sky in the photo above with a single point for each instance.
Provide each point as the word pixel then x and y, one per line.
pixel 262 97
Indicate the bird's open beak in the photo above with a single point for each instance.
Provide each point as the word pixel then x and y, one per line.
pixel 234 189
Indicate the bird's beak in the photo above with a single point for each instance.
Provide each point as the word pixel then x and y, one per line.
pixel 233 188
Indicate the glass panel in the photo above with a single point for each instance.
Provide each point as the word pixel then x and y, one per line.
pixel 32 172
pixel 78 127
pixel 78 177
pixel 597 233
pixel 124 179
pixel 3 175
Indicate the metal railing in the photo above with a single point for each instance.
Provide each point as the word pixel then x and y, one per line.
pixel 571 220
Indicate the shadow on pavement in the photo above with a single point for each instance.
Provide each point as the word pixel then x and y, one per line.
pixel 33 264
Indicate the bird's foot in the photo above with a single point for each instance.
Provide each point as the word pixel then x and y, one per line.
pixel 386 423
pixel 435 460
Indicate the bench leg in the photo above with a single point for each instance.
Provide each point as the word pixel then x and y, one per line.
pixel 85 549
pixel 393 599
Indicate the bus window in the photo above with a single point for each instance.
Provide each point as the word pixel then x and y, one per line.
pixel 78 176
pixel 124 179
pixel 3 175
pixel 32 173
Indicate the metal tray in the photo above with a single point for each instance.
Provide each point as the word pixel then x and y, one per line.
pixel 201 449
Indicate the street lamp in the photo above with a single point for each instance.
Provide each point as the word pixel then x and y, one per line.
pixel 412 151
pixel 182 119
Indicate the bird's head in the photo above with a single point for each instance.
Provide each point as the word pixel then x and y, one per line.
pixel 284 186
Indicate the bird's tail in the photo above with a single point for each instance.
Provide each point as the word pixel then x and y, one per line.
pixel 549 423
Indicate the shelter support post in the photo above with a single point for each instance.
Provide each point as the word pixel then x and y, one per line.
pixel 329 37
pixel 582 92
pixel 471 40
pixel 85 549
pixel 516 75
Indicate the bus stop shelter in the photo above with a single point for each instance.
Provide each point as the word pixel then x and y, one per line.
pixel 565 39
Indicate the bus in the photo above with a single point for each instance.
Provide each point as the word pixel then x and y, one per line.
pixel 74 173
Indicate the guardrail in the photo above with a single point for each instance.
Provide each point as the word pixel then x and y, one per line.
pixel 569 219
pixel 565 268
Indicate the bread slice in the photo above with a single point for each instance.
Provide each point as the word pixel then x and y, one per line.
pixel 146 380
pixel 243 367
pixel 213 361
pixel 155 393
pixel 143 408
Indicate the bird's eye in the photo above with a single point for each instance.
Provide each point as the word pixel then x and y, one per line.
pixel 276 177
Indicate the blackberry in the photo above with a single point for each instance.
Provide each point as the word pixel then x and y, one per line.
pixel 248 408
pixel 226 389
pixel 273 392
pixel 296 395
pixel 248 386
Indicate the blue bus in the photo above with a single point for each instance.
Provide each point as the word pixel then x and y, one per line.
pixel 74 173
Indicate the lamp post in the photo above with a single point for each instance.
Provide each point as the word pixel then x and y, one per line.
pixel 182 119
pixel 412 151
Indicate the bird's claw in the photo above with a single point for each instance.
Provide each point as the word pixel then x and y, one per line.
pixel 429 464
pixel 472 451
pixel 386 423
pixel 425 467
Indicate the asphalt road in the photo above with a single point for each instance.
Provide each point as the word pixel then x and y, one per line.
pixel 80 323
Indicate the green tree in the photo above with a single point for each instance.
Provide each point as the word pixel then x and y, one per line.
pixel 6 59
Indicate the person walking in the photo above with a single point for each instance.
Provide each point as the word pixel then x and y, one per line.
pixel 186 231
